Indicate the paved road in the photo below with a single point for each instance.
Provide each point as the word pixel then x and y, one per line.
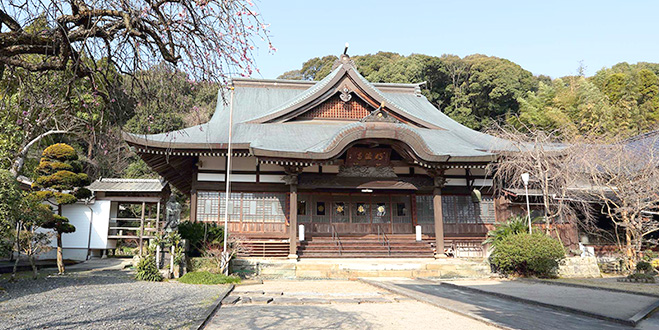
pixel 505 313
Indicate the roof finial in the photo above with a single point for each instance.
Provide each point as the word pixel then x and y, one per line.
pixel 345 50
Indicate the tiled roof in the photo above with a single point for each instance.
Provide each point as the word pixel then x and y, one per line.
pixel 127 185
pixel 266 100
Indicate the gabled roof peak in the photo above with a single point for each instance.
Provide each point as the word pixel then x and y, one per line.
pixel 344 60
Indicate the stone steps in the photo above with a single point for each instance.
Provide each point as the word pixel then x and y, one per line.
pixel 364 247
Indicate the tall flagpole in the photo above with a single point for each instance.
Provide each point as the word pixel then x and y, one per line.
pixel 227 182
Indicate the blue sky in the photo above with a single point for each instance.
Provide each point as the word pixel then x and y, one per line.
pixel 544 37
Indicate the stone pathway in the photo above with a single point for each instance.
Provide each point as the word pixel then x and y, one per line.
pixel 497 310
pixel 607 304
pixel 330 304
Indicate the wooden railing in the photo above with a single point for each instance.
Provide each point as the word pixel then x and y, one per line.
pixel 336 239
pixel 133 228
pixel 385 240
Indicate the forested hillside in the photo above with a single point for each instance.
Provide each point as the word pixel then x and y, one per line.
pixel 475 90
pixel 478 89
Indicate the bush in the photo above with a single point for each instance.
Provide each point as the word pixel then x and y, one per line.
pixel 528 255
pixel 207 278
pixel 642 277
pixel 199 234
pixel 199 264
pixel 147 270
pixel 643 267
pixel 655 263
pixel 513 226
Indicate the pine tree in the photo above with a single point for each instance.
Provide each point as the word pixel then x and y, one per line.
pixel 61 182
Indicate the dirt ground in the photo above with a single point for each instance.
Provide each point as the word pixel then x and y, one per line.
pixel 334 305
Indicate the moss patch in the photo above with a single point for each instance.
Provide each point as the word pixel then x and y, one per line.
pixel 207 278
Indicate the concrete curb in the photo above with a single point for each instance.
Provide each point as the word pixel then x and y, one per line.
pixel 394 289
pixel 577 285
pixel 630 322
pixel 210 311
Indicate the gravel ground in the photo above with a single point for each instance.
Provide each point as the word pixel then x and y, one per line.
pixel 108 299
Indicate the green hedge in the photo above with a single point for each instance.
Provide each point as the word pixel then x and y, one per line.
pixel 527 255
pixel 207 278
pixel 147 270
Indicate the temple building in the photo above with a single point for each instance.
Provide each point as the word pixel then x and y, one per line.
pixel 350 160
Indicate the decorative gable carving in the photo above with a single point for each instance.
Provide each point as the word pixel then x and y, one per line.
pixel 380 116
pixel 340 106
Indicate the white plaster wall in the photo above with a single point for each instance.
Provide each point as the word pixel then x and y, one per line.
pixel 478 171
pixel 75 244
pixel 211 163
pixel 271 167
pixel 216 177
pixel 271 178
pixel 456 182
pixel 331 169
pixel 419 170
pixel 82 216
pixel 455 171
pixel 402 170
pixel 243 164
pixel 309 169
pixel 482 182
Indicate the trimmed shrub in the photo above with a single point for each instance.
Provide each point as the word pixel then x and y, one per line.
pixel 61 152
pixel 528 255
pixel 643 267
pixel 147 270
pixel 642 277
pixel 207 278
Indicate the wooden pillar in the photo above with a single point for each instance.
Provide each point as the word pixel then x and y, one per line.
pixel 439 222
pixel 439 182
pixel 292 229
pixel 193 194
pixel 157 218
pixel 142 229
pixel 291 180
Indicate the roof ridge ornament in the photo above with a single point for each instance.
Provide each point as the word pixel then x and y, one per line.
pixel 344 59
pixel 379 115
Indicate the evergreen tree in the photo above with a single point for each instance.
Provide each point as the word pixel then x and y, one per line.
pixel 62 182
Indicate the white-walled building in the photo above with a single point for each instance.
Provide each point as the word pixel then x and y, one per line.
pixel 97 222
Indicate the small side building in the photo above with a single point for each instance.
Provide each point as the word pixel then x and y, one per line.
pixel 119 209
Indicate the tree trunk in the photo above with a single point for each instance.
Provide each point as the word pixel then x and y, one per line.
pixel 13 273
pixel 18 250
pixel 17 166
pixel 60 259
pixel 34 267
pixel 629 250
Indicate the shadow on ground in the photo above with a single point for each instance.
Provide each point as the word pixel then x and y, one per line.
pixel 101 300
pixel 286 317
pixel 516 315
